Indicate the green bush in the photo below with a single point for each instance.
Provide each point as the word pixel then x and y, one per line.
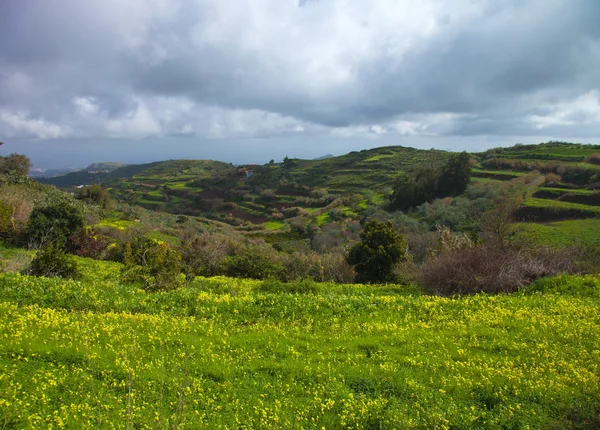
pixel 53 224
pixel 152 264
pixel 252 265
pixel 52 261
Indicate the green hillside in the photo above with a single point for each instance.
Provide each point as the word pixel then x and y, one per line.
pixel 281 197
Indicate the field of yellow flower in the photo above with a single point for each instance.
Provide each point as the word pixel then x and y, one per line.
pixel 231 353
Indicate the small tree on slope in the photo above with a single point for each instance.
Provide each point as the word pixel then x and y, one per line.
pixel 380 249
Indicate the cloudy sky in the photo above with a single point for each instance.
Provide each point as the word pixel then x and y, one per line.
pixel 250 80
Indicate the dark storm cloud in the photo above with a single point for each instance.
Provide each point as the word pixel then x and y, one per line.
pixel 212 69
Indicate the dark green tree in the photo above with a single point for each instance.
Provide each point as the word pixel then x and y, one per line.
pixel 403 195
pixel 455 175
pixel 413 190
pixel 288 163
pixel 375 256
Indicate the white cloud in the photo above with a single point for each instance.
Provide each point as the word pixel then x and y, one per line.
pixel 583 110
pixel 20 124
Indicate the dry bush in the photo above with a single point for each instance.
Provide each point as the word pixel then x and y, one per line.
pixel 552 178
pixel 406 272
pixel 16 264
pixel 594 158
pixel 320 267
pixel 491 269
pixel 421 246
pixel 205 254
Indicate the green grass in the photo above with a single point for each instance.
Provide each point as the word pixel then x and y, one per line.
pixel 378 157
pixel 564 233
pixel 558 205
pixel 561 191
pixel 498 172
pixel 348 211
pixel 274 225
pixel 378 199
pixel 176 185
pixel 230 353
pixel 323 219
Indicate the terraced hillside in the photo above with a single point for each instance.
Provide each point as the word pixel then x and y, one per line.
pixel 270 195
pixel 565 207
pixel 290 196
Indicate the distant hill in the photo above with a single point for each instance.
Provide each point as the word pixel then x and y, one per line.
pixel 49 173
pixel 107 173
pixel 324 157
pixel 103 167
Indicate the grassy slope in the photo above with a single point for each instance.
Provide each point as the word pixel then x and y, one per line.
pixel 563 233
pixel 235 353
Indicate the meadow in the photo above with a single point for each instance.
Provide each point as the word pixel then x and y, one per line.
pixel 234 353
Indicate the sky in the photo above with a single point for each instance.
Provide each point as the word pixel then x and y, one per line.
pixel 245 81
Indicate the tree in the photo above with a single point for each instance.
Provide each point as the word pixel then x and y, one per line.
pixel 498 224
pixel 403 195
pixel 414 190
pixel 380 249
pixel 288 163
pixel 95 195
pixel 455 175
pixel 427 184
pixel 16 164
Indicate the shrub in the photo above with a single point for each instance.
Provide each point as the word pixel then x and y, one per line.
pixel 7 230
pixel 85 244
pixel 152 264
pixel 594 158
pixel 53 224
pixel 204 255
pixel 551 178
pixel 252 265
pixel 95 195
pixel 330 267
pixel 381 248
pixel 52 261
pixel 490 269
